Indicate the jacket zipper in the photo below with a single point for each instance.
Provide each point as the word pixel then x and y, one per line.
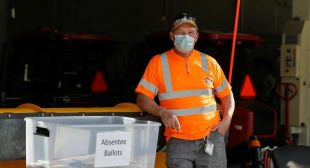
pixel 186 65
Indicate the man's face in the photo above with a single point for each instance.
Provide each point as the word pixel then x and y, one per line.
pixel 185 29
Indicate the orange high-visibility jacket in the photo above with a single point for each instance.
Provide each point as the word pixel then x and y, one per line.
pixel 186 86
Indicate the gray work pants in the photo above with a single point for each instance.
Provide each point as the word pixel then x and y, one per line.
pixel 189 153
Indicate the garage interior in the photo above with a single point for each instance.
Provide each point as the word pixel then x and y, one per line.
pixel 73 58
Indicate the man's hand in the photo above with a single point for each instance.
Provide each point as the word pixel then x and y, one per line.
pixel 149 105
pixel 223 126
pixel 169 120
pixel 228 107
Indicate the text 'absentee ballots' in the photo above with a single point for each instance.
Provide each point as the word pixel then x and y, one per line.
pixel 113 149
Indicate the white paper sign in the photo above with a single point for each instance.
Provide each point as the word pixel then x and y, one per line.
pixel 113 149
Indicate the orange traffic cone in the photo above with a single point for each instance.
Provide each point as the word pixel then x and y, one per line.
pixel 99 84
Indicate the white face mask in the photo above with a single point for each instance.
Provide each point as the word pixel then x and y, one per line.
pixel 184 43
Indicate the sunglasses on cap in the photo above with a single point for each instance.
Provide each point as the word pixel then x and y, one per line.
pixel 184 16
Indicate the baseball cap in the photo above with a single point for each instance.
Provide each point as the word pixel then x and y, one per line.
pixel 183 18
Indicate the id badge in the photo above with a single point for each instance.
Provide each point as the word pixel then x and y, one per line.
pixel 209 146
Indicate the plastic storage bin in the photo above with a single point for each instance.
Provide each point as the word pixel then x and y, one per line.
pixel 90 141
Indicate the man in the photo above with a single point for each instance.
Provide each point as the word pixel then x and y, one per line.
pixel 186 82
